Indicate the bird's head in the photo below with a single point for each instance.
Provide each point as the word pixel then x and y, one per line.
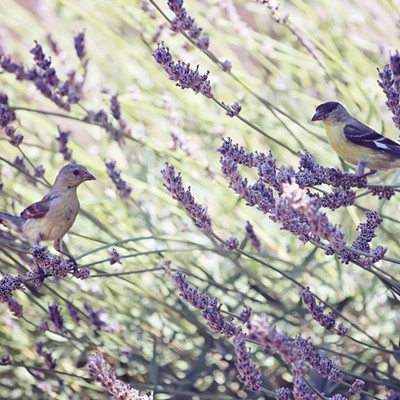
pixel 331 112
pixel 72 175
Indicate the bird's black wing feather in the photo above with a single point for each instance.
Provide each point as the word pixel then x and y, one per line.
pixel 363 135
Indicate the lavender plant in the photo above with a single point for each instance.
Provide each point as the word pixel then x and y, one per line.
pixel 257 264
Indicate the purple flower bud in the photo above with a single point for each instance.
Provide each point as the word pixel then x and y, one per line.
pixel 255 241
pixel 16 140
pixel 245 315
pixel 114 256
pixel 115 107
pixel 73 312
pixel 56 317
pixel 283 393
pixel 226 66
pixel 203 43
pixel 9 284
pixel 233 110
pixel 39 171
pixel 357 386
pixel 79 43
pixel 232 243
pixel 7 115
pixel 5 359
pixel 81 273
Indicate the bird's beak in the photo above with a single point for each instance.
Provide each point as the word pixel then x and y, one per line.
pixel 88 176
pixel 317 116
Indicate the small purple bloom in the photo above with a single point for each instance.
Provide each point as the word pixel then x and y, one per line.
pixel 245 315
pixel 357 386
pixel 7 115
pixel 73 312
pixel 115 107
pixel 283 393
pixel 114 256
pixel 79 43
pixel 56 317
pixel 5 359
pixel 39 171
pixel 226 66
pixel 81 273
pixel 232 243
pixel 9 284
pixel 341 330
pixel 255 241
pixel 233 110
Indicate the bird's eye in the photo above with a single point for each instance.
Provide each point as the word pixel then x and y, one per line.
pixel 75 172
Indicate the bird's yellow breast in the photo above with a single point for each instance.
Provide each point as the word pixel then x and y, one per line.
pixel 353 153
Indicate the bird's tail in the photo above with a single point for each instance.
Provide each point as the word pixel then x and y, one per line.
pixel 11 221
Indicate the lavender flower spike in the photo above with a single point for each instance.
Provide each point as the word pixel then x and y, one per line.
pixel 209 307
pixel 79 43
pixel 56 317
pixel 122 187
pixel 249 375
pixel 185 23
pixel 8 284
pixel 186 77
pixel 173 183
pixel 106 377
pixel 327 321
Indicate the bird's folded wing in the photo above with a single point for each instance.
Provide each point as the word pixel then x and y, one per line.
pixel 37 210
pixel 363 135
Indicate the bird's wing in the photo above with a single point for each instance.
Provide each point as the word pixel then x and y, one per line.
pixel 39 209
pixel 361 134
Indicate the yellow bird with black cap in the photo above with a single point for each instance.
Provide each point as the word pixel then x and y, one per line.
pixel 356 142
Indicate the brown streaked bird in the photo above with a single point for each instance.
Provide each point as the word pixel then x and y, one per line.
pixel 356 142
pixel 52 217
